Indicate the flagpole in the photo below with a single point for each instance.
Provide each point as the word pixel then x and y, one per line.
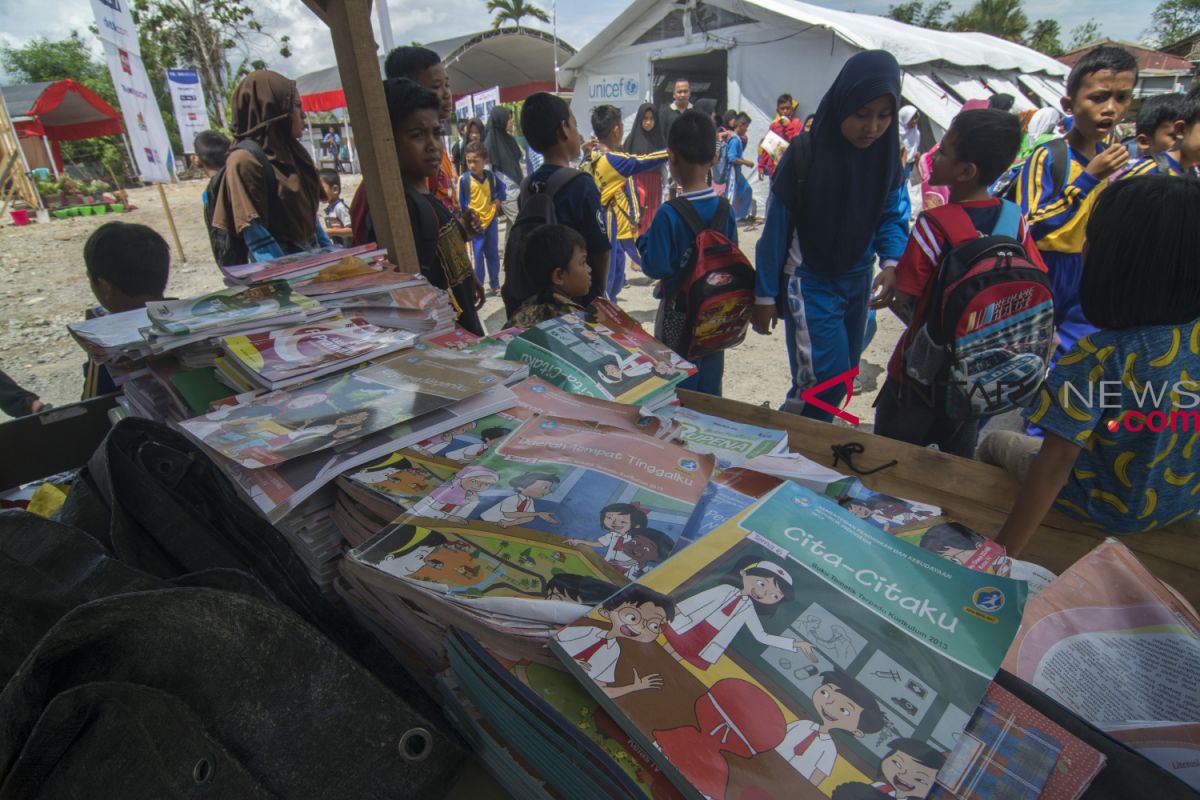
pixel 385 25
pixel 554 26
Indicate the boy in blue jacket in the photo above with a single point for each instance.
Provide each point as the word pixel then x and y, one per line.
pixel 666 248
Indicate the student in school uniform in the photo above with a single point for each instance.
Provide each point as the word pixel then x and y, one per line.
pixel 636 615
pixel 458 498
pixel 481 192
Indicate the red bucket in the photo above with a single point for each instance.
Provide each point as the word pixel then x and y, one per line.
pixel 19 216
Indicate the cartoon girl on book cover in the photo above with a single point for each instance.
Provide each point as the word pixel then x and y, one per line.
pixel 617 520
pixel 456 499
pixel 707 622
pixel 406 562
pixel 519 508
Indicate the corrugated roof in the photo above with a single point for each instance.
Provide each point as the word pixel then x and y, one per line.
pixel 1147 59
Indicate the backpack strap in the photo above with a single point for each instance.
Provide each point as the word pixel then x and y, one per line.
pixel 561 177
pixel 1008 222
pixel 1060 162
pixel 687 212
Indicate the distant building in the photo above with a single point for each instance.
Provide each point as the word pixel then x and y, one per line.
pixel 1159 71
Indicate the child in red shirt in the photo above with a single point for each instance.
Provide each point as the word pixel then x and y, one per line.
pixel 979 146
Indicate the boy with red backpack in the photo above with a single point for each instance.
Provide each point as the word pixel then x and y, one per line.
pixel 974 291
pixel 706 285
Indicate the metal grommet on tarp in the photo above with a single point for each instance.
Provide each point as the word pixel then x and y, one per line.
pixel 416 744
pixel 202 771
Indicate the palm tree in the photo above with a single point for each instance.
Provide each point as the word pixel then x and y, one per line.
pixel 513 10
pixel 1003 18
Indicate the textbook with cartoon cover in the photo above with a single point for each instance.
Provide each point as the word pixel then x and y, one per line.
pixel 286 356
pixel 883 511
pixel 308 260
pixel 518 572
pixel 226 307
pixel 796 651
pixel 958 543
pixel 626 495
pixel 733 443
pixel 601 352
pixel 534 396
pixel 289 423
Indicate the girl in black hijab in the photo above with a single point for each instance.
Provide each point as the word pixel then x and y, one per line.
pixel 504 153
pixel 645 137
pixel 818 248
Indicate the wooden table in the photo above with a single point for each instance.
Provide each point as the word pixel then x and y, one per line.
pixel 971 492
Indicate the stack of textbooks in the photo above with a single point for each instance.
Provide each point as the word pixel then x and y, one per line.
pixel 415 306
pixel 287 356
pixel 299 267
pixel 113 338
pixel 602 352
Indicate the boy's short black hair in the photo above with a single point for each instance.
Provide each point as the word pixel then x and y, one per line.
pixel 872 719
pixel 405 96
pixel 1100 58
pixel 493 433
pixel 1159 109
pixel 477 149
pixel 784 98
pixel 133 258
pixel 857 790
pixel 589 591
pixel 989 139
pixel 212 148
pixel 693 137
pixel 550 247
pixel 409 62
pixel 530 478
pixel 637 595
pixel 542 116
pixel 604 119
pixel 1152 221
pixel 743 117
pixel 1191 107
pixel 330 176
pixel 918 751
pixel 949 534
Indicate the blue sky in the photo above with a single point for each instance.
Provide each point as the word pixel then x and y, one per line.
pixel 579 20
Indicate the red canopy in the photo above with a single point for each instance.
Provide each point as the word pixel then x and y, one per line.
pixel 61 111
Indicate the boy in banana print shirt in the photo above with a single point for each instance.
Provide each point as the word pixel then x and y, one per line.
pixel 1121 409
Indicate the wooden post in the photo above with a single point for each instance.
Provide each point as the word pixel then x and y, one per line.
pixel 162 195
pixel 354 46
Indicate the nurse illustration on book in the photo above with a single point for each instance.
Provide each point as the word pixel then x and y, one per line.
pixel 706 623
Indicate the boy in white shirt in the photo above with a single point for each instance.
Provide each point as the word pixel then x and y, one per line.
pixel 841 704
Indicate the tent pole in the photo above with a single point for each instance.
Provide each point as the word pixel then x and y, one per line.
pixel 129 152
pixel 162 195
pixel 312 147
pixel 50 154
pixel 554 27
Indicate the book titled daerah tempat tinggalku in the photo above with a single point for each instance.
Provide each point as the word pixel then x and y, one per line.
pixel 794 651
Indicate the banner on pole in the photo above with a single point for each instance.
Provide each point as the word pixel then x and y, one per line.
pixel 187 96
pixel 143 122
pixel 114 21
pixel 485 101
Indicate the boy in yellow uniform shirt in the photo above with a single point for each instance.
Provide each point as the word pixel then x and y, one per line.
pixel 479 191
pixel 614 171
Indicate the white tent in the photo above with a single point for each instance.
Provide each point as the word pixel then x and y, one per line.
pixel 745 53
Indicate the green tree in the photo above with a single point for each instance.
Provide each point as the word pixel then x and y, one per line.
pixel 514 11
pixel 915 12
pixel 1174 20
pixel 221 39
pixel 1084 34
pixel 1045 37
pixel 1002 18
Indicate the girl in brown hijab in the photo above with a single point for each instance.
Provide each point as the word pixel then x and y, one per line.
pixel 268 119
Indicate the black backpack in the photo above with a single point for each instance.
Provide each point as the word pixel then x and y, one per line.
pixel 536 209
pixel 1060 158
pixel 229 249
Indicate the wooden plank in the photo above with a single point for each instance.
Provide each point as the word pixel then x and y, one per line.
pixel 354 46
pixel 977 494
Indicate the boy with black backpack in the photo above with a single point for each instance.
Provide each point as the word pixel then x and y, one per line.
pixel 974 291
pixel 706 285
pixel 554 194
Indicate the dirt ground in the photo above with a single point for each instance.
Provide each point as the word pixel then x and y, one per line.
pixel 43 287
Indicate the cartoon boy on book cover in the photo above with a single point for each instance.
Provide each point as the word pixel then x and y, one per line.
pixel 908 770
pixel 519 508
pixel 841 704
pixel 637 615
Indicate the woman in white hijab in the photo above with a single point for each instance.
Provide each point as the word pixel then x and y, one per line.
pixel 910 137
pixel 1042 128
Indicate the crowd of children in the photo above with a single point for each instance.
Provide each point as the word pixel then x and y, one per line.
pixel 1084 212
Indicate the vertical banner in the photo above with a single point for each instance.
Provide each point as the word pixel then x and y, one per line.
pixel 464 109
pixel 187 96
pixel 114 23
pixel 485 101
pixel 143 122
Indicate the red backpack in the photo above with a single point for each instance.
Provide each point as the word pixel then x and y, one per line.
pixel 711 310
pixel 988 330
